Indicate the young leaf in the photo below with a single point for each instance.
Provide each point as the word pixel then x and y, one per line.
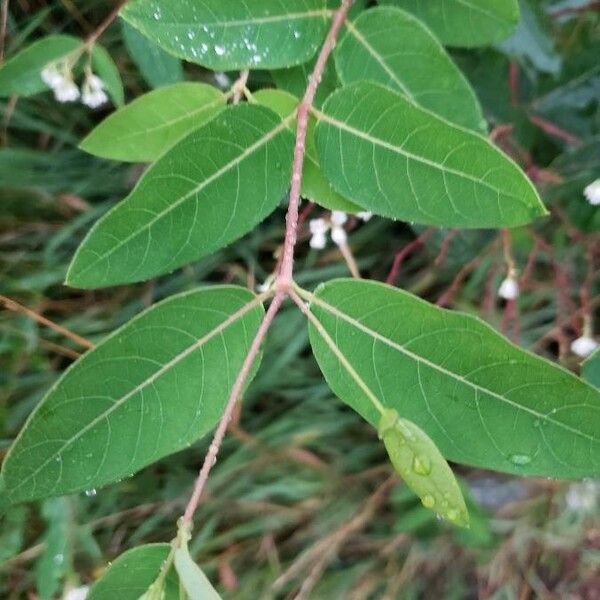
pixel 192 578
pixel 389 46
pixel 156 66
pixel 21 75
pixel 150 389
pixel 147 127
pixel 465 23
pixel 391 157
pixel 314 185
pixel 422 467
pixel 105 68
pixel 269 34
pixel 211 188
pixel 130 576
pixel 483 401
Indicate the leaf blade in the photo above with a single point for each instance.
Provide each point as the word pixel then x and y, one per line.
pixel 189 203
pixel 547 425
pixel 191 345
pixel 234 35
pixel 389 46
pixel 393 158
pixel 133 134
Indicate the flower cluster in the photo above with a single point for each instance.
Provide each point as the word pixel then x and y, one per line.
pixel 592 193
pixel 60 79
pixel 335 223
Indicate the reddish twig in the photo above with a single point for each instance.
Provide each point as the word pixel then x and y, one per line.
pixel 571 10
pixel 555 130
pixel 444 247
pixel 105 24
pixel 513 83
pixel 284 280
pixel 400 256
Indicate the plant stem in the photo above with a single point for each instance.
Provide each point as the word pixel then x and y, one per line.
pixel 213 449
pixel 105 24
pixel 284 285
pixel 291 232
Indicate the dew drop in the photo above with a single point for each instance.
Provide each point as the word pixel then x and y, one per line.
pixel 520 459
pixel 90 493
pixel 453 515
pixel 428 501
pixel 421 465
pixel 58 559
pixel 219 50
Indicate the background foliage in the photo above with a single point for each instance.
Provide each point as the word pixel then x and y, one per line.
pixel 293 498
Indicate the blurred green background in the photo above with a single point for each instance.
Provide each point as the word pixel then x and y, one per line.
pixel 303 503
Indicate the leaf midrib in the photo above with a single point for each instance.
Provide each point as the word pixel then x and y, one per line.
pixel 420 359
pixel 167 366
pixel 224 169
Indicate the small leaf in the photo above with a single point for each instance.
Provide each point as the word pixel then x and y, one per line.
pixel 482 400
pixel 465 23
pixel 21 75
pixel 147 127
pixel 130 576
pixel 152 388
pixel 391 157
pixel 156 66
pixel 314 185
pixel 233 35
pixel 194 581
pixel 211 188
pixel 392 47
pixel 105 68
pixel 423 468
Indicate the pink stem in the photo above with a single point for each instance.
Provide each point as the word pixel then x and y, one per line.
pixel 215 445
pixel 291 233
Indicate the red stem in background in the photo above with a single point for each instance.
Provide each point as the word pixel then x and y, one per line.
pixel 400 256
pixel 555 130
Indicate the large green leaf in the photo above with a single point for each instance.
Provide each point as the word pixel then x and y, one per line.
pixel 21 74
pixel 314 185
pixel 465 23
pixel 392 47
pixel 151 124
pixel 209 189
pixel 156 66
pixel 484 401
pixel 385 153
pixel 235 34
pixel 133 573
pixel 590 369
pixel 150 389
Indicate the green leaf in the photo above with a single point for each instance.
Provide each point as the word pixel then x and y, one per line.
pixel 21 74
pixel 195 583
pixel 211 188
pixel 147 127
pixel 151 388
pixel 465 23
pixel 391 157
pixel 269 34
pixel 422 467
pixel 105 68
pixel 133 573
pixel 314 185
pixel 482 400
pixel 156 66
pixel 590 369
pixel 392 47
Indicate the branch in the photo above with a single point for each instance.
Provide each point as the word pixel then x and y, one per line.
pixel 291 233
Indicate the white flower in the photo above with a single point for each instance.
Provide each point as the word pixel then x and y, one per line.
pixel 66 90
pixel 338 218
pixel 364 215
pixel 320 227
pixel 509 289
pixel 592 193
pixel 583 496
pixel 80 593
pixel 583 346
pixel 51 76
pixel 339 235
pixel 222 80
pixel 93 91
